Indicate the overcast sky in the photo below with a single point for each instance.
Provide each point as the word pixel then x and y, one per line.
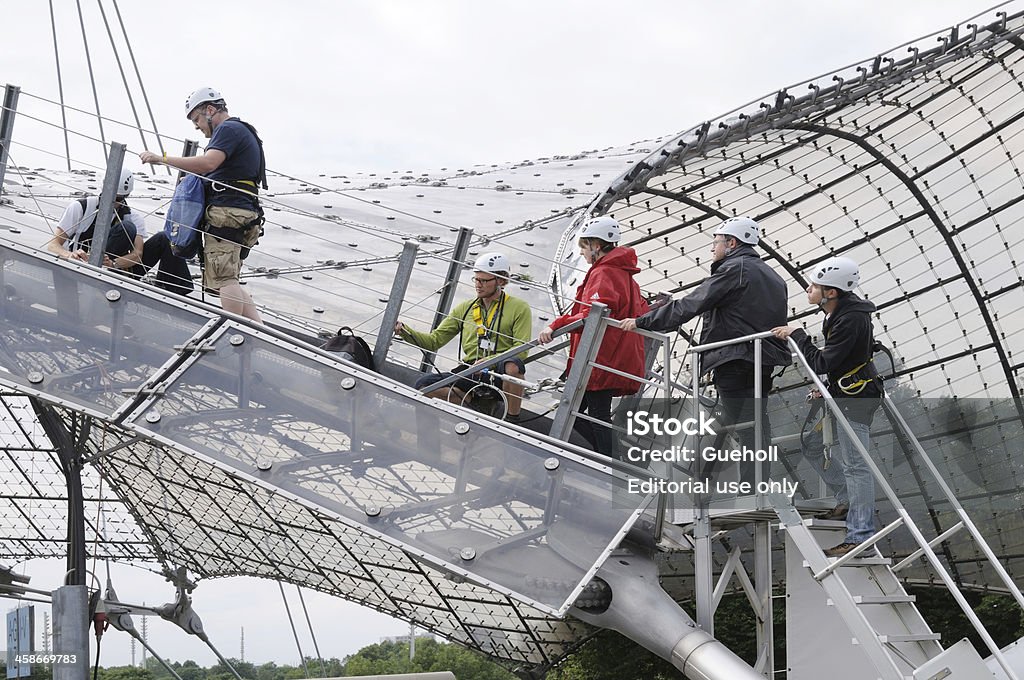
pixel 338 87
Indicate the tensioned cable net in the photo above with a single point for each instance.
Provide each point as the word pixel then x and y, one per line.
pixel 909 164
pixel 302 469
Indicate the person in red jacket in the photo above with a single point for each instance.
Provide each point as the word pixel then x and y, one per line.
pixel 610 282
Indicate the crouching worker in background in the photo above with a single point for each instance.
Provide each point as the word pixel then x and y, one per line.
pixel 125 250
pixel 491 323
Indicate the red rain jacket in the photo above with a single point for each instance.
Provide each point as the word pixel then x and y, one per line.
pixel 610 282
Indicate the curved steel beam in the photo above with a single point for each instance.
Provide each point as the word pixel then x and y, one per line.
pixel 783 262
pixel 947 236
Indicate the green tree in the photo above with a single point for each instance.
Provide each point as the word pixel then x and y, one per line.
pixel 125 673
pixel 610 656
pixel 431 655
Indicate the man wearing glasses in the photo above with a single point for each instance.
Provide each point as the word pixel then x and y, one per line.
pixel 233 168
pixel 742 296
pixel 491 323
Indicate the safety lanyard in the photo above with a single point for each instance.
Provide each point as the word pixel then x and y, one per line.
pixel 484 327
pixel 850 383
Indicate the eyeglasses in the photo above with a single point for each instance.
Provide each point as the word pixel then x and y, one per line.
pixel 477 279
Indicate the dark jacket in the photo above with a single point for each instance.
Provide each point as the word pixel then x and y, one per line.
pixel 610 282
pixel 849 342
pixel 742 296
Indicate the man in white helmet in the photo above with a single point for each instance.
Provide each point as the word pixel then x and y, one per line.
pixel 846 359
pixel 235 168
pixel 742 296
pixel 488 324
pixel 73 238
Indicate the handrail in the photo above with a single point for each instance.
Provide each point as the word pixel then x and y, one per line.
pixel 666 356
pixel 697 349
pixel 968 523
pixel 904 519
pixel 496 359
pixel 756 338
pixel 914 530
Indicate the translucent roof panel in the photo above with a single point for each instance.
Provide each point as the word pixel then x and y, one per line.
pixel 217 522
pixel 459 493
pixel 33 507
pixel 86 340
pixel 909 164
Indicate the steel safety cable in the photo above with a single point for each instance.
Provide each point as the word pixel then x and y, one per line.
pixel 138 76
pixel 317 216
pixel 367 229
pixel 315 288
pixel 312 634
pixel 124 79
pixel 295 634
pixel 91 114
pixel 92 78
pixel 60 87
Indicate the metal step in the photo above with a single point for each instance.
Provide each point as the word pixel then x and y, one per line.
pixel 918 637
pixel 862 562
pixel 884 599
pixel 880 599
pixel 847 591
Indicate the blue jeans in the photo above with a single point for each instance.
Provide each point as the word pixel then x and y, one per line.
pixel 848 478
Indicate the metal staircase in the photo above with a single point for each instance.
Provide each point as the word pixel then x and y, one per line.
pixel 864 591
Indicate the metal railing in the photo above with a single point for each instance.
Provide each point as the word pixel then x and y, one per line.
pixel 757 339
pixel 925 547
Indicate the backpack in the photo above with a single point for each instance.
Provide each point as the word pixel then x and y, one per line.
pixel 352 347
pixel 183 225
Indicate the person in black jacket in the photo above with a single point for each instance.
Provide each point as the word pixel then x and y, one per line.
pixel 742 296
pixel 853 382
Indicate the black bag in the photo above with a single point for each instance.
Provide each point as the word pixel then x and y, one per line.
pixel 352 347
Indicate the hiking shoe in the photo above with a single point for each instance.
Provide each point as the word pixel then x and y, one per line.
pixel 837 513
pixel 840 550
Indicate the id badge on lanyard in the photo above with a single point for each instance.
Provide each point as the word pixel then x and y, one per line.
pixel 483 341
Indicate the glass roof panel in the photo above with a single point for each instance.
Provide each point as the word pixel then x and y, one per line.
pixel 459 493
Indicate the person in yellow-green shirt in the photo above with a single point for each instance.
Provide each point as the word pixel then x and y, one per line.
pixel 491 323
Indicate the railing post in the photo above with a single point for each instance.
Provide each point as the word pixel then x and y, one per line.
pixel 11 93
pixel 703 569
pixel 758 424
pixel 579 374
pixel 763 586
pixel 398 288
pixel 444 304
pixel 105 211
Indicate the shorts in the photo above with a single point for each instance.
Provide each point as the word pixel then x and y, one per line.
pixel 222 259
pixel 466 384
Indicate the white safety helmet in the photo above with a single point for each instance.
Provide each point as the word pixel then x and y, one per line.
pixel 491 263
pixel 837 272
pixel 605 228
pixel 743 229
pixel 203 95
pixel 126 183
